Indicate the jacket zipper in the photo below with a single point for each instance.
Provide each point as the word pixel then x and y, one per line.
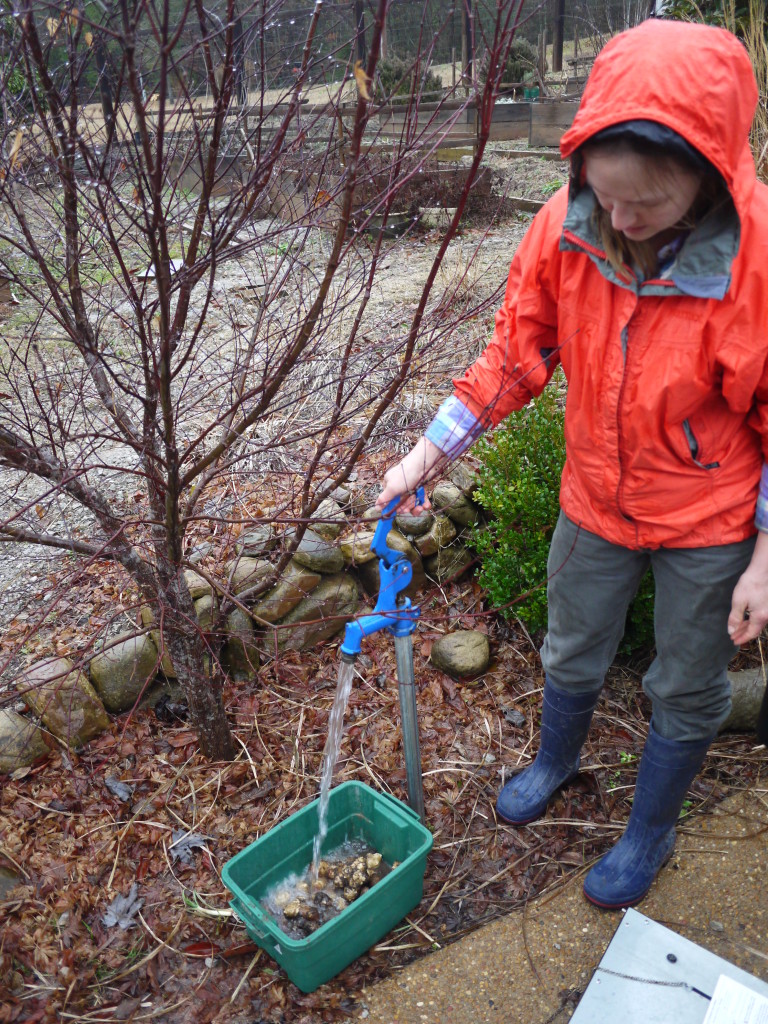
pixel 575 240
pixel 594 251
pixel 619 404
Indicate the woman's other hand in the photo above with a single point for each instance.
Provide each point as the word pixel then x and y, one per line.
pixel 749 608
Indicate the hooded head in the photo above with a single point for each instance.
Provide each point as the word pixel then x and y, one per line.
pixel 694 80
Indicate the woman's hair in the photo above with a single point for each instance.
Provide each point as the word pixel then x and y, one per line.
pixel 622 251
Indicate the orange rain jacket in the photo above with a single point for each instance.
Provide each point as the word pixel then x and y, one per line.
pixel 666 419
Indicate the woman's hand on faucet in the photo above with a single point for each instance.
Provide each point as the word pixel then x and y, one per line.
pixel 402 480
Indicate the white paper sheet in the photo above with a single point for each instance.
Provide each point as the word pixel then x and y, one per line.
pixel 732 1003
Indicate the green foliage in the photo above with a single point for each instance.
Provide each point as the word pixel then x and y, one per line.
pixel 639 634
pixel 552 186
pixel 521 466
pixel 395 76
pixel 712 12
pixel 13 80
pixel 519 486
pixel 522 61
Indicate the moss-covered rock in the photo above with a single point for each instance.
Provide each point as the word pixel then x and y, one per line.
pixel 414 526
pixel 22 742
pixel 147 616
pixel 321 615
pixel 293 587
pixel 464 654
pixel 122 672
pixel 356 547
pixel 329 520
pixel 62 696
pixel 198 585
pixel 442 532
pixel 449 563
pixel 240 655
pixel 318 555
pixel 247 573
pixel 455 504
pixel 259 539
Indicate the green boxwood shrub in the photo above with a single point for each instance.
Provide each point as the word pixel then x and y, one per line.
pixel 522 61
pixel 519 487
pixel 395 76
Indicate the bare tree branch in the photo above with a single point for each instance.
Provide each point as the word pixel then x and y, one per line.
pixel 193 222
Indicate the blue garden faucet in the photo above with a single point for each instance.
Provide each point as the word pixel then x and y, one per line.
pixel 391 612
pixel 394 612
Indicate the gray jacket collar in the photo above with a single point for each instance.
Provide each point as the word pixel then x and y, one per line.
pixel 702 267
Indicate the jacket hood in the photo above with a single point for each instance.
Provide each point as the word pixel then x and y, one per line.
pixel 695 79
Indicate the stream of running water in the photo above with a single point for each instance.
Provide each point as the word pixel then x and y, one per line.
pixel 331 755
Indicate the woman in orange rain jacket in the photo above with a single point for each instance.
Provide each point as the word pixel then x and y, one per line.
pixel 646 279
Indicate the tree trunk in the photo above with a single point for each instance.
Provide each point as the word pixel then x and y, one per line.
pixel 105 83
pixel 188 650
pixel 204 697
pixel 557 40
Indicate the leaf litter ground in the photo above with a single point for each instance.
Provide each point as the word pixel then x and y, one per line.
pixel 120 913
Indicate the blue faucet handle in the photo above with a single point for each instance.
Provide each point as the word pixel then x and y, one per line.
pixel 379 543
pixel 389 509
pixel 395 573
pixel 418 494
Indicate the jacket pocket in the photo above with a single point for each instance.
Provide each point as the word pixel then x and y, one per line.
pixel 693 447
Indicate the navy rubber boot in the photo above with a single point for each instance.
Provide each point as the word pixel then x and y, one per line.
pixel 625 873
pixel 565 719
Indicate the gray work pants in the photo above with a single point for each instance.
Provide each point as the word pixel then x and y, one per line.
pixel 591 584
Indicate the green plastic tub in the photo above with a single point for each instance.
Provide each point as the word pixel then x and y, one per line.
pixel 355 811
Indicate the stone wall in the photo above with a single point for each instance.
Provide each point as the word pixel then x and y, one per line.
pixel 332 576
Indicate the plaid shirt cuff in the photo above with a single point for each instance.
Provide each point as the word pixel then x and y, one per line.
pixel 761 512
pixel 455 428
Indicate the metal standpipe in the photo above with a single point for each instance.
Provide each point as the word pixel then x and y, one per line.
pixel 395 614
pixel 406 687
